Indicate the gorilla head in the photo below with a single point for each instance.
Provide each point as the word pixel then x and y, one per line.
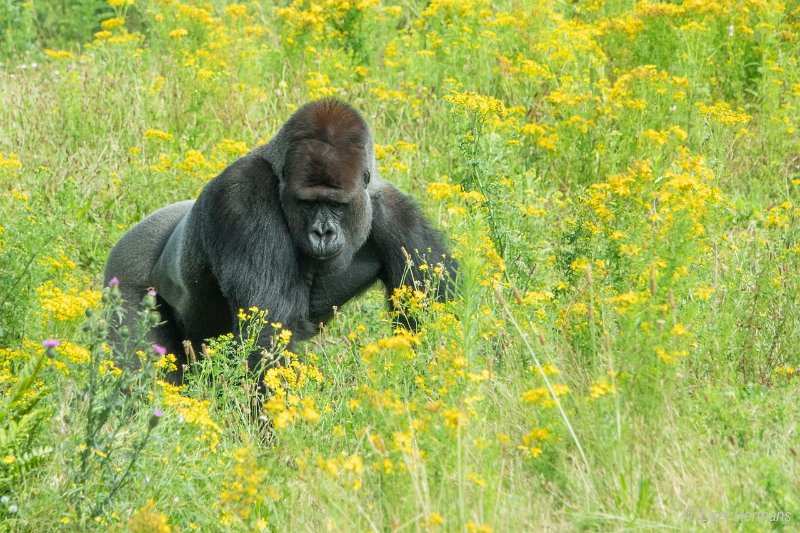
pixel 323 183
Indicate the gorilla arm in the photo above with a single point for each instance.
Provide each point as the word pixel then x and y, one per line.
pixel 402 240
pixel 234 252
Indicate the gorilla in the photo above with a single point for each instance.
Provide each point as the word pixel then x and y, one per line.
pixel 298 226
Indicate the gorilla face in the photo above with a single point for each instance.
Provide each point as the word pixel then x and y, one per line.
pixel 324 198
pixel 324 236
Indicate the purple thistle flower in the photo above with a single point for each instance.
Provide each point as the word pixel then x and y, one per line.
pixel 51 343
pixel 158 349
pixel 155 417
pixel 113 282
pixel 152 292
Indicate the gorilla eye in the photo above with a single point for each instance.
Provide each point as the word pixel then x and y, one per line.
pixel 366 178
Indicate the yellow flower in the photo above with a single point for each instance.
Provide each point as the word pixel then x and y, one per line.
pixel 455 418
pixel 193 412
pixel 440 191
pixel 156 134
pixel 722 113
pixel 236 10
pixel 541 395
pixel 147 520
pixel 178 33
pixel 59 54
pixel 232 147
pixel 205 74
pixel 10 161
pixel 65 305
pixel 484 106
pixel 113 23
pixel 601 388
pixel 473 527
pixel 679 330
pixel 433 521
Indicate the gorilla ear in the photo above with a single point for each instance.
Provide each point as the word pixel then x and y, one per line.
pixel 366 178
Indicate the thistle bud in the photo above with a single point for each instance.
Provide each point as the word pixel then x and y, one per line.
pixel 51 345
pixel 155 417
pixel 149 300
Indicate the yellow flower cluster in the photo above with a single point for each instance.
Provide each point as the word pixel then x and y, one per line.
pixel 193 412
pixel 285 412
pixel 244 489
pixel 600 388
pixel 113 23
pixel 348 468
pixel 9 359
pixel 722 113
pixel 483 106
pixel 286 407
pixel 66 305
pixel 541 395
pixel 59 54
pixel 326 20
pixel 670 356
pixel 71 352
pixel 10 161
pixel 782 215
pixel 152 134
pixel 401 343
pixel 147 520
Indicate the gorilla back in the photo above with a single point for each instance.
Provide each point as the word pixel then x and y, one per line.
pixel 299 226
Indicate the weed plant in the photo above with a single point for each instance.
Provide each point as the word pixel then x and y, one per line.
pixel 618 180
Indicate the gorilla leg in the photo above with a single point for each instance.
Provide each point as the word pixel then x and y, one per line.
pixel 131 262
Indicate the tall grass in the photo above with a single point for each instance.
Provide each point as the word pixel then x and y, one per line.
pixel 624 176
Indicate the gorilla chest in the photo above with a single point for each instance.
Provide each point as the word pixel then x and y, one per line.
pixel 327 291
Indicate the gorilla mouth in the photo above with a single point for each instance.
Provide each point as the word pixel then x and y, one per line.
pixel 324 255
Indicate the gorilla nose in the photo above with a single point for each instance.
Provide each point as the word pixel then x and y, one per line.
pixel 322 234
pixel 323 239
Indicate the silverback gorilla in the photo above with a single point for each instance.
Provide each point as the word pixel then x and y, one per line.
pixel 298 226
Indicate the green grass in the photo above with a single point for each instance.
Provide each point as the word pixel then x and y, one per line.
pixel 626 176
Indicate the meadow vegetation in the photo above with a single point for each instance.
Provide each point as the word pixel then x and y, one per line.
pixel 619 181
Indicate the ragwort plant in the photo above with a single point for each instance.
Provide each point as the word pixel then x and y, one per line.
pixel 631 191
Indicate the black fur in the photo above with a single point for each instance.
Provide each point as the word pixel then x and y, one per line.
pixel 253 236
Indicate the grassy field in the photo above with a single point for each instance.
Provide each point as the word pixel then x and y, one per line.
pixel 620 182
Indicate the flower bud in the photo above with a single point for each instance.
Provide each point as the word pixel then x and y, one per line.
pixel 149 300
pixel 155 417
pixel 51 345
